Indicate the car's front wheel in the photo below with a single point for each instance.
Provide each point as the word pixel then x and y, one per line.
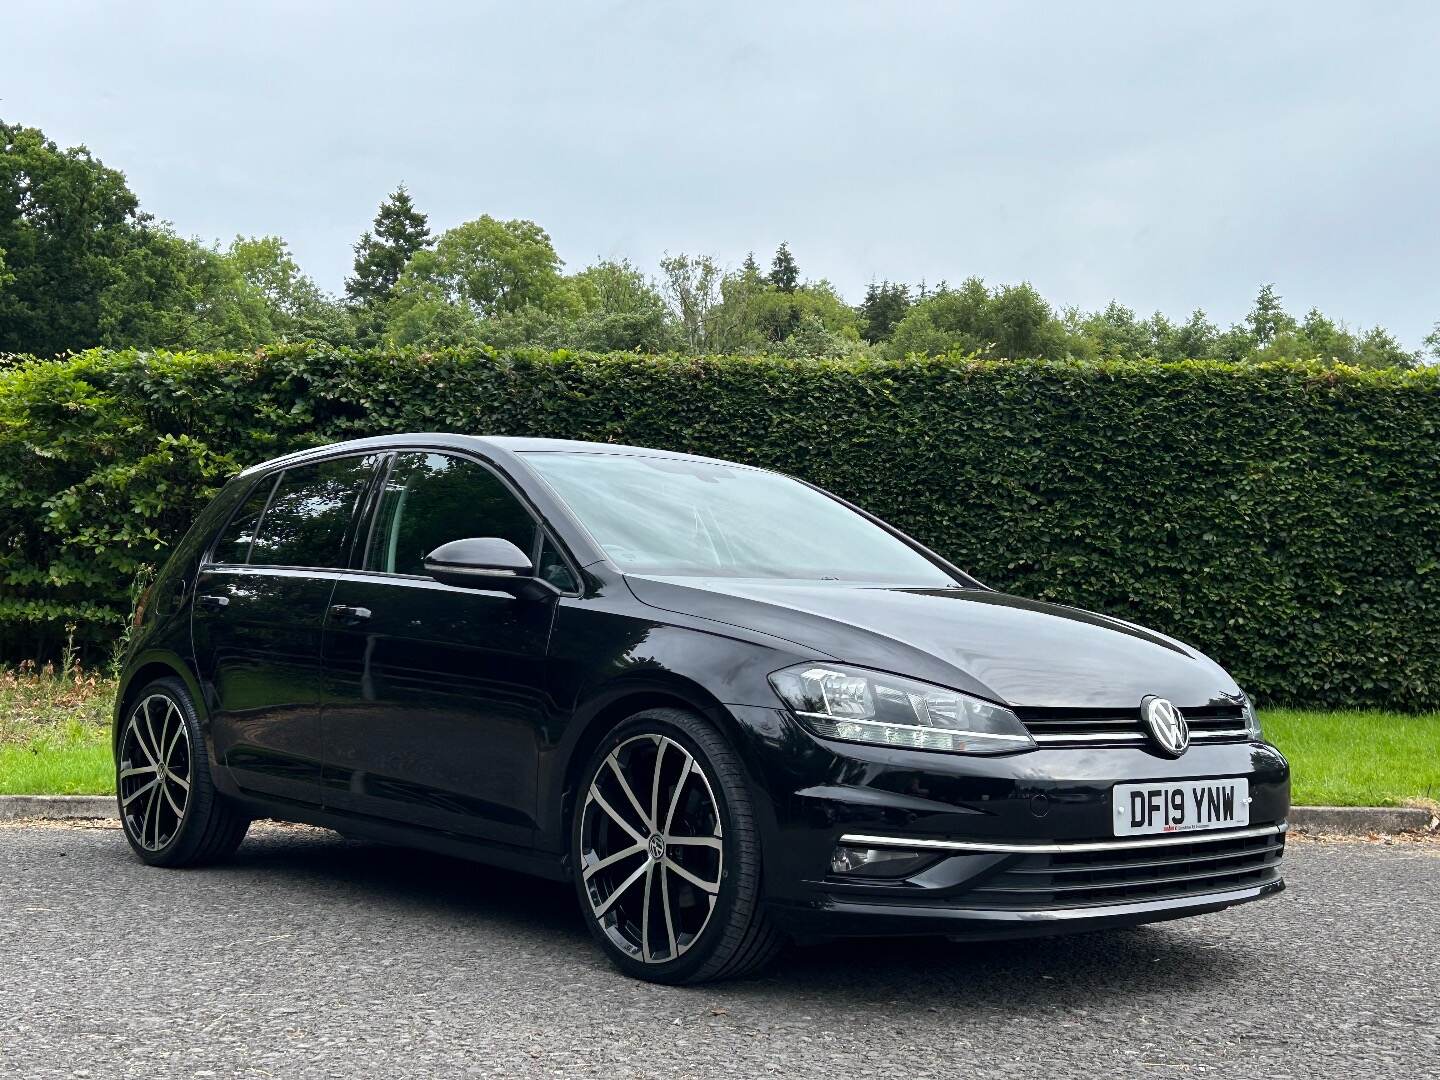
pixel 667 853
pixel 169 808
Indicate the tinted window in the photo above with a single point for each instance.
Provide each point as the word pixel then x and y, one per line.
pixel 431 499
pixel 233 546
pixel 552 568
pixel 679 516
pixel 310 514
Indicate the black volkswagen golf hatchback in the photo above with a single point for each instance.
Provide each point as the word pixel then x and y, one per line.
pixel 730 707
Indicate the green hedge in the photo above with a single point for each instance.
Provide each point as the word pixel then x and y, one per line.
pixel 1284 518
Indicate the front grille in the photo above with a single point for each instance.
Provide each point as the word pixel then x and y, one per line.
pixel 1119 876
pixel 1123 727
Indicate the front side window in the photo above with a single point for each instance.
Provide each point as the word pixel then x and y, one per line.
pixel 431 499
pixel 673 516
pixel 309 515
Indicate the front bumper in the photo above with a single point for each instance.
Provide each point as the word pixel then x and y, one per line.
pixel 1016 845
pixel 995 890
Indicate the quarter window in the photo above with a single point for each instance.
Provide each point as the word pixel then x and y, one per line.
pixel 309 517
pixel 233 546
pixel 431 499
pixel 553 568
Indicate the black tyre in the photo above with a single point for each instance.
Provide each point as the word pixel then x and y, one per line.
pixel 667 853
pixel 169 808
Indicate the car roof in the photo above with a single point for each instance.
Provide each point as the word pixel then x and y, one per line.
pixel 505 443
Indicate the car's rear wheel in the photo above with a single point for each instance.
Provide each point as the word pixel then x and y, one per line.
pixel 667 853
pixel 169 808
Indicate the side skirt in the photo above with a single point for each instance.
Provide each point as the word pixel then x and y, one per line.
pixel 508 857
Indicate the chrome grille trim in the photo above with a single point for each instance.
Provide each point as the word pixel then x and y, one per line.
pixel 1123 727
pixel 1216 836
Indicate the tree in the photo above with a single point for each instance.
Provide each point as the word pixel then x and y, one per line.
pixel 1010 321
pixel 1117 334
pixel 714 311
pixel 1432 339
pixel 775 315
pixel 71 231
pixel 483 269
pixel 619 310
pixel 1267 318
pixel 884 306
pixel 297 308
pixel 784 274
pixel 1379 349
pixel 1193 339
pixel 381 256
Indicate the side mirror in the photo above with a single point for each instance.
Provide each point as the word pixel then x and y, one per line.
pixel 481 562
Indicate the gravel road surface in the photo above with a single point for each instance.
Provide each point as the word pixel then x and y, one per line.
pixel 312 956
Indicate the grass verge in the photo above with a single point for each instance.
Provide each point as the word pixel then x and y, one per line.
pixel 55 740
pixel 55 733
pixel 1358 758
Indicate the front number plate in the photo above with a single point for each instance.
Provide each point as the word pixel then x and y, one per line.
pixel 1188 806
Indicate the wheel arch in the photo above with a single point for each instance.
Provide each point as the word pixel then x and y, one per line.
pixel 612 706
pixel 146 669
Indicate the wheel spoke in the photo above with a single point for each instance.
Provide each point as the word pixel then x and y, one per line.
pixel 646 894
pixel 179 810
pixel 679 784
pixel 138 770
pixel 629 792
pixel 140 740
pixel 713 842
pixel 711 887
pixel 152 817
pixel 665 903
pixel 179 730
pixel 140 791
pixel 615 816
pixel 620 890
pixel 611 860
pixel 655 785
pixel 150 727
pixel 184 784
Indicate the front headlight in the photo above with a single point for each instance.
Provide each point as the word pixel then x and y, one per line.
pixel 888 710
pixel 1252 719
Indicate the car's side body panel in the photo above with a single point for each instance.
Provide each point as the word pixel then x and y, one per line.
pixel 434 705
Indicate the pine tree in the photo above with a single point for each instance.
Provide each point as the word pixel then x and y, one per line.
pixel 885 305
pixel 784 274
pixel 380 255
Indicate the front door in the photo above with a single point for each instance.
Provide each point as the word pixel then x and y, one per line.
pixel 258 620
pixel 435 694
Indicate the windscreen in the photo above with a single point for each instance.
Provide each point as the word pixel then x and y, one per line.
pixel 669 516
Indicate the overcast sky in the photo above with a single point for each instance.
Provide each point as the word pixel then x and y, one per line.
pixel 1168 155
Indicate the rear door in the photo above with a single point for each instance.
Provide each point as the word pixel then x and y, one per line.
pixel 259 616
pixel 436 694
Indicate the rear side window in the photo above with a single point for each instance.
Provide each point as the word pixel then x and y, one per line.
pixel 308 519
pixel 431 499
pixel 233 545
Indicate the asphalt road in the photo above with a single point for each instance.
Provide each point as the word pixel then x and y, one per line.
pixel 314 956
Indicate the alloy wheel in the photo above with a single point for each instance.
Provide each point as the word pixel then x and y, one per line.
pixel 155 773
pixel 652 849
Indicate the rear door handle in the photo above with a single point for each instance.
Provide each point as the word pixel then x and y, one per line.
pixel 213 602
pixel 348 613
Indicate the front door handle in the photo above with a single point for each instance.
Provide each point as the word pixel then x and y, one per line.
pixel 214 603
pixel 349 614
